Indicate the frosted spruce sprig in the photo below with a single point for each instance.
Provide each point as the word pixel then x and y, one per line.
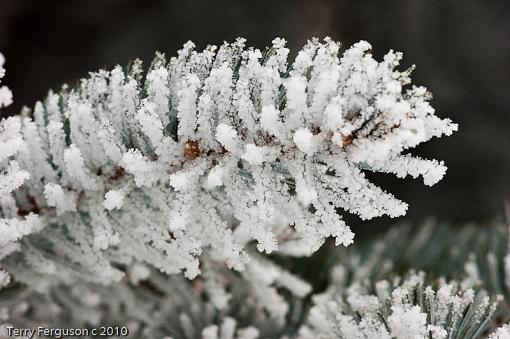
pixel 475 254
pixel 151 305
pixel 400 309
pixel 162 307
pixel 208 152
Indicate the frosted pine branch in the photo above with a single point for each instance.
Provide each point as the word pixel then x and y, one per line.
pixel 403 309
pixel 157 306
pixel 151 305
pixel 209 152
pixel 475 254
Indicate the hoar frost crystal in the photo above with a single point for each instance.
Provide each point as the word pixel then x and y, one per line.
pixel 208 152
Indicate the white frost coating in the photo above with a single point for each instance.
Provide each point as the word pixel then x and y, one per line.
pixel 177 220
pixel 12 178
pixel 5 92
pixel 333 116
pixel 502 332
pixel 11 139
pixel 113 199
pixel 138 272
pixel 227 137
pixel 107 136
pixel 406 308
pixel 408 322
pixel 270 122
pixel 57 142
pixel 305 194
pixel 11 230
pixel 158 91
pixel 149 120
pixel 215 177
pixel 5 96
pixel 176 308
pixel 254 155
pixel 227 330
pixel 142 169
pixel 296 93
pixel 188 105
pixel 303 139
pixel 56 197
pixel 76 169
pixel 5 278
pixel 180 181
pixel 222 148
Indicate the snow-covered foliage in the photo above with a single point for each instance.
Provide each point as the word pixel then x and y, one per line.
pixel 209 152
pixel 400 309
pixel 156 307
pixel 475 255
pixel 502 332
pixel 12 176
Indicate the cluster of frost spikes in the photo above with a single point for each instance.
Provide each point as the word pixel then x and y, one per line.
pixel 401 309
pixel 12 176
pixel 209 152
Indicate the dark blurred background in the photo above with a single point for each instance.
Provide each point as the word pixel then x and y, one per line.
pixel 461 49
